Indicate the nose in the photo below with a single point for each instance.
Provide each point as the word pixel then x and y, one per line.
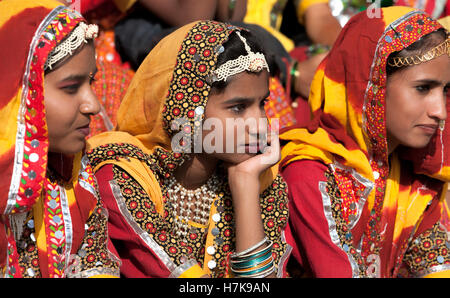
pixel 89 102
pixel 437 106
pixel 261 124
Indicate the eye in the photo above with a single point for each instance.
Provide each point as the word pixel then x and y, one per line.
pixel 423 88
pixel 71 89
pixel 238 108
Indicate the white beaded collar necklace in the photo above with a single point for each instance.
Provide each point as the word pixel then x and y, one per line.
pixel 182 200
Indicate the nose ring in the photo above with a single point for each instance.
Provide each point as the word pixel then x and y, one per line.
pixel 441 124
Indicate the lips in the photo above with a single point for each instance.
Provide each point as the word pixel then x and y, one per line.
pixel 85 130
pixel 428 128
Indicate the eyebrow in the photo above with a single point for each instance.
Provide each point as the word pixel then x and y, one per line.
pixel 237 100
pixel 431 82
pixel 79 77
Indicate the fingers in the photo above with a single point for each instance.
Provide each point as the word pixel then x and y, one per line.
pixel 271 154
pixel 274 133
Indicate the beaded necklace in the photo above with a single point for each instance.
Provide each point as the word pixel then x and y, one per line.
pixel 192 204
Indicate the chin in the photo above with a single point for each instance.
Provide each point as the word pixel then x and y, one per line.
pixel 68 148
pixel 417 146
pixel 418 143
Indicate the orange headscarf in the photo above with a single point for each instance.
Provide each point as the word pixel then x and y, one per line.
pixel 348 131
pixel 29 31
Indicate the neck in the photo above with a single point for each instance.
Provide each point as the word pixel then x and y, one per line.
pixel 60 165
pixel 392 144
pixel 196 171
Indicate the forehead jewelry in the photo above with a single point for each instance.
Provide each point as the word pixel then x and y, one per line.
pixel 82 33
pixel 439 50
pixel 253 62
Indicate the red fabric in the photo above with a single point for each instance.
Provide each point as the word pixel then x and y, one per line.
pixel 299 53
pixel 104 13
pixel 308 225
pixel 279 105
pixel 85 203
pixel 6 169
pixel 15 38
pixel 88 5
pixel 80 213
pixel 138 260
pixel 302 109
pixel 344 66
pixel 3 239
pixel 302 112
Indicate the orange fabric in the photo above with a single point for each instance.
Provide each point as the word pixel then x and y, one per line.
pixel 110 86
pixel 139 115
pixel 279 105
pixel 111 83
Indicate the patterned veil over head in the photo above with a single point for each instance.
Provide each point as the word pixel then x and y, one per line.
pixel 29 31
pixel 347 132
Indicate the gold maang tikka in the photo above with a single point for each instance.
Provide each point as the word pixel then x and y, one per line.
pixel 439 50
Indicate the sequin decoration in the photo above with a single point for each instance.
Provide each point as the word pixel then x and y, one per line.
pixel 220 228
pixel 428 250
pixel 195 61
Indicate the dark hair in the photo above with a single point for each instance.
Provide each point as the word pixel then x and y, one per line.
pixel 424 44
pixel 233 48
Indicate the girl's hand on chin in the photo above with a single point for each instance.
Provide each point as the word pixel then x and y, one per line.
pixel 251 168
